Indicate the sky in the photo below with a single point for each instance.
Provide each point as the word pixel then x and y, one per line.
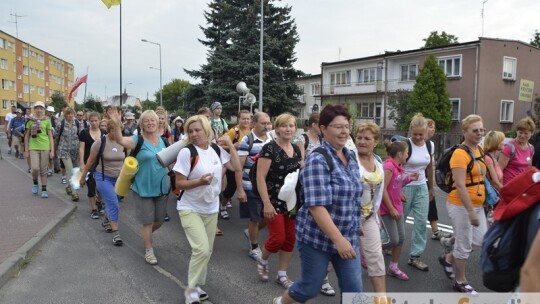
pixel 86 33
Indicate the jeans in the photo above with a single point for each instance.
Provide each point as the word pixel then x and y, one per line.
pixel 105 186
pixel 314 264
pixel 418 203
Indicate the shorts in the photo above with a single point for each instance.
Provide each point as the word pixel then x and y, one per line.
pixel 253 208
pixel 150 209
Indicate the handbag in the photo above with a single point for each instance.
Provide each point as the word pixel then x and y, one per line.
pixel 287 193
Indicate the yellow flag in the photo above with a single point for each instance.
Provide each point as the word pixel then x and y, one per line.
pixel 110 3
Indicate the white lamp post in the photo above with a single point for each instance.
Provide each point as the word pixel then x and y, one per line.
pixel 160 72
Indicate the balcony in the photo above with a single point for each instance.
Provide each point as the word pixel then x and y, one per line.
pixel 354 88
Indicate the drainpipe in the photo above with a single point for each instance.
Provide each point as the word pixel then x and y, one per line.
pixel 475 101
pixel 385 95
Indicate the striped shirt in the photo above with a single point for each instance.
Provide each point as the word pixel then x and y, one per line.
pixel 338 191
pixel 243 150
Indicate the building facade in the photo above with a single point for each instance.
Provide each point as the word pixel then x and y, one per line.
pixel 493 78
pixel 310 99
pixel 29 74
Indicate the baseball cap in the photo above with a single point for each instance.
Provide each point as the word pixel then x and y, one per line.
pixel 39 104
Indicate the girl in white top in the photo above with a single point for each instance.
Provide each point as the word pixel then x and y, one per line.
pixel 198 207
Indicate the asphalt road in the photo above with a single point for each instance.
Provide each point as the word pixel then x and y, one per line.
pixel 80 264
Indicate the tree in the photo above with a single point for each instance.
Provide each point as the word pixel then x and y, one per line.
pixel 93 104
pixel 232 38
pixel 397 108
pixel 58 101
pixel 173 94
pixel 148 105
pixel 443 39
pixel 430 95
pixel 535 41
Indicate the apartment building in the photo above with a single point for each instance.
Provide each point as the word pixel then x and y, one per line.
pixel 494 78
pixel 310 99
pixel 29 74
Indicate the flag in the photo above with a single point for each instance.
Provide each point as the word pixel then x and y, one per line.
pixel 77 84
pixel 110 3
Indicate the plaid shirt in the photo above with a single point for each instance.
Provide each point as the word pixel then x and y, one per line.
pixel 338 191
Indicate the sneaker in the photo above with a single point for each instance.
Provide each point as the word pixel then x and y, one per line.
pixel 465 288
pixel 327 289
pixel 68 190
pixel 94 214
pixel 397 273
pixel 447 267
pixel 415 262
pixel 49 172
pixel 75 196
pixel 262 270
pixel 29 170
pixel 35 189
pixel 229 205
pixel 446 244
pixel 64 181
pixel 44 194
pixel 9 152
pixel 203 295
pixel 16 154
pixel 284 281
pixel 246 234
pixel 116 239
pixel 255 254
pixel 21 156
pixel 151 259
pixel 192 296
pixel 167 218
pixel 223 213
pixel 437 235
pixel 276 300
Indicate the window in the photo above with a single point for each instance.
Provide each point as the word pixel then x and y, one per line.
pixel 41 91
pixel 40 58
pixel 3 64
pixel 315 89
pixel 2 43
pixel 507 110
pixel 5 103
pixel 25 88
pixel 25 52
pixel 301 113
pixel 456 103
pixel 369 110
pixel 451 66
pixel 5 84
pixel 409 72
pixel 369 75
pixel 25 70
pixel 340 78
pixel 509 68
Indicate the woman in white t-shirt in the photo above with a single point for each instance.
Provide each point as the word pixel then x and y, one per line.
pixel 198 206
pixel 418 193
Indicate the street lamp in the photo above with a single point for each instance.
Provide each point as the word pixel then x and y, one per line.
pixel 160 72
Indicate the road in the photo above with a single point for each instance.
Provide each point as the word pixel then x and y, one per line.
pixel 80 265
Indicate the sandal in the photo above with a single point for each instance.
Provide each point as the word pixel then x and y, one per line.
pixel 397 273
pixel 284 281
pixel 219 232
pixel 327 289
pixel 262 270
pixel 465 288
pixel 117 240
pixel 106 224
pixel 223 213
pixel 447 267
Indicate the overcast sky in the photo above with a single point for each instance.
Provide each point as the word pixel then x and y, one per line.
pixel 86 34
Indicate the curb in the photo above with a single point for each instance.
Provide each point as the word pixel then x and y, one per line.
pixel 17 261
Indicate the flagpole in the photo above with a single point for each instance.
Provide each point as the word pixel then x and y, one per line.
pixel 85 86
pixel 120 55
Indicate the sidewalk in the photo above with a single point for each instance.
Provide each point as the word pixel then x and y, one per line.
pixel 26 221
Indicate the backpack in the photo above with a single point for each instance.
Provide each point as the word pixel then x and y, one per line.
pixel 513 150
pixel 504 250
pixel 443 173
pixel 194 157
pixel 253 170
pixel 306 140
pixel 140 142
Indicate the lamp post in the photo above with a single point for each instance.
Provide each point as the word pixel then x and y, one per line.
pixel 160 72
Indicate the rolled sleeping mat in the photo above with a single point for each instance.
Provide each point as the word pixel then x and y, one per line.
pixel 129 169
pixel 168 156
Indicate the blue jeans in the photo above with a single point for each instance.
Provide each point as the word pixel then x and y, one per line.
pixel 105 186
pixel 314 264
pixel 418 203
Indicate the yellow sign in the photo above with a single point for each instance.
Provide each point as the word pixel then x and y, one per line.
pixel 526 88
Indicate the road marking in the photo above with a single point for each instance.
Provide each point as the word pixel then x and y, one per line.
pixel 443 227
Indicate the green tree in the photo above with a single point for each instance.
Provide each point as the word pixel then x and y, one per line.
pixel 93 104
pixel 232 37
pixel 173 94
pixel 430 95
pixel 397 108
pixel 536 39
pixel 148 105
pixel 435 39
pixel 58 101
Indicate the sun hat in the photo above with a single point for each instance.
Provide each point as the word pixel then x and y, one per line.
pixel 39 104
pixel 50 109
pixel 129 115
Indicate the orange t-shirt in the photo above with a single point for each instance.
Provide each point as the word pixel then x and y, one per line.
pixel 232 134
pixel 460 159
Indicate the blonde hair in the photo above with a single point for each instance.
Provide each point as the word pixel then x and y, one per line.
pixel 526 124
pixel 148 114
pixel 284 119
pixel 371 127
pixel 418 120
pixel 205 125
pixel 492 141
pixel 467 121
pixel 68 110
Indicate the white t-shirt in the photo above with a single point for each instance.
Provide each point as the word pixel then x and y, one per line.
pixel 209 162
pixel 9 116
pixel 418 162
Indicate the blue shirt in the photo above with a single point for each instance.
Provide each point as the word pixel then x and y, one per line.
pixel 338 191
pixel 151 180
pixel 17 124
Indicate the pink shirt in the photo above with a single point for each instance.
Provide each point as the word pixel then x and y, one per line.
pixel 521 162
pixel 489 161
pixel 398 180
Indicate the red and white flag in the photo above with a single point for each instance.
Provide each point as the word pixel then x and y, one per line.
pixel 76 85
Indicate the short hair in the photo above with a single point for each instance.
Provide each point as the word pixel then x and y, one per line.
pixel 394 147
pixel 430 122
pixel 111 126
pixel 148 114
pixel 331 111
pixel 313 118
pixel 283 119
pixel 205 125
pixel 258 115
pixel 68 110
pixel 204 110
pixel 244 112
pixel 103 121
pixel 371 127
pixel 526 124
pixel 418 120
pixel 492 141
pixel 470 119
pixel 93 114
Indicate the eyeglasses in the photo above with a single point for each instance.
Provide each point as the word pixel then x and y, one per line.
pixel 340 126
pixel 479 131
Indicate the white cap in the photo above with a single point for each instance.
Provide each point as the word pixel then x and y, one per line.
pixel 39 104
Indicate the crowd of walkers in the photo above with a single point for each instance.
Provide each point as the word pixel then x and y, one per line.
pixel 326 192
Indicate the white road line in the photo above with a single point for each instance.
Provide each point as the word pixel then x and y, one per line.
pixel 443 227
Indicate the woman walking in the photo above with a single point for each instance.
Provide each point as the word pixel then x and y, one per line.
pixel 67 137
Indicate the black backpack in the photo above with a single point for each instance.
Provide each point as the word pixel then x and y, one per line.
pixel 443 173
